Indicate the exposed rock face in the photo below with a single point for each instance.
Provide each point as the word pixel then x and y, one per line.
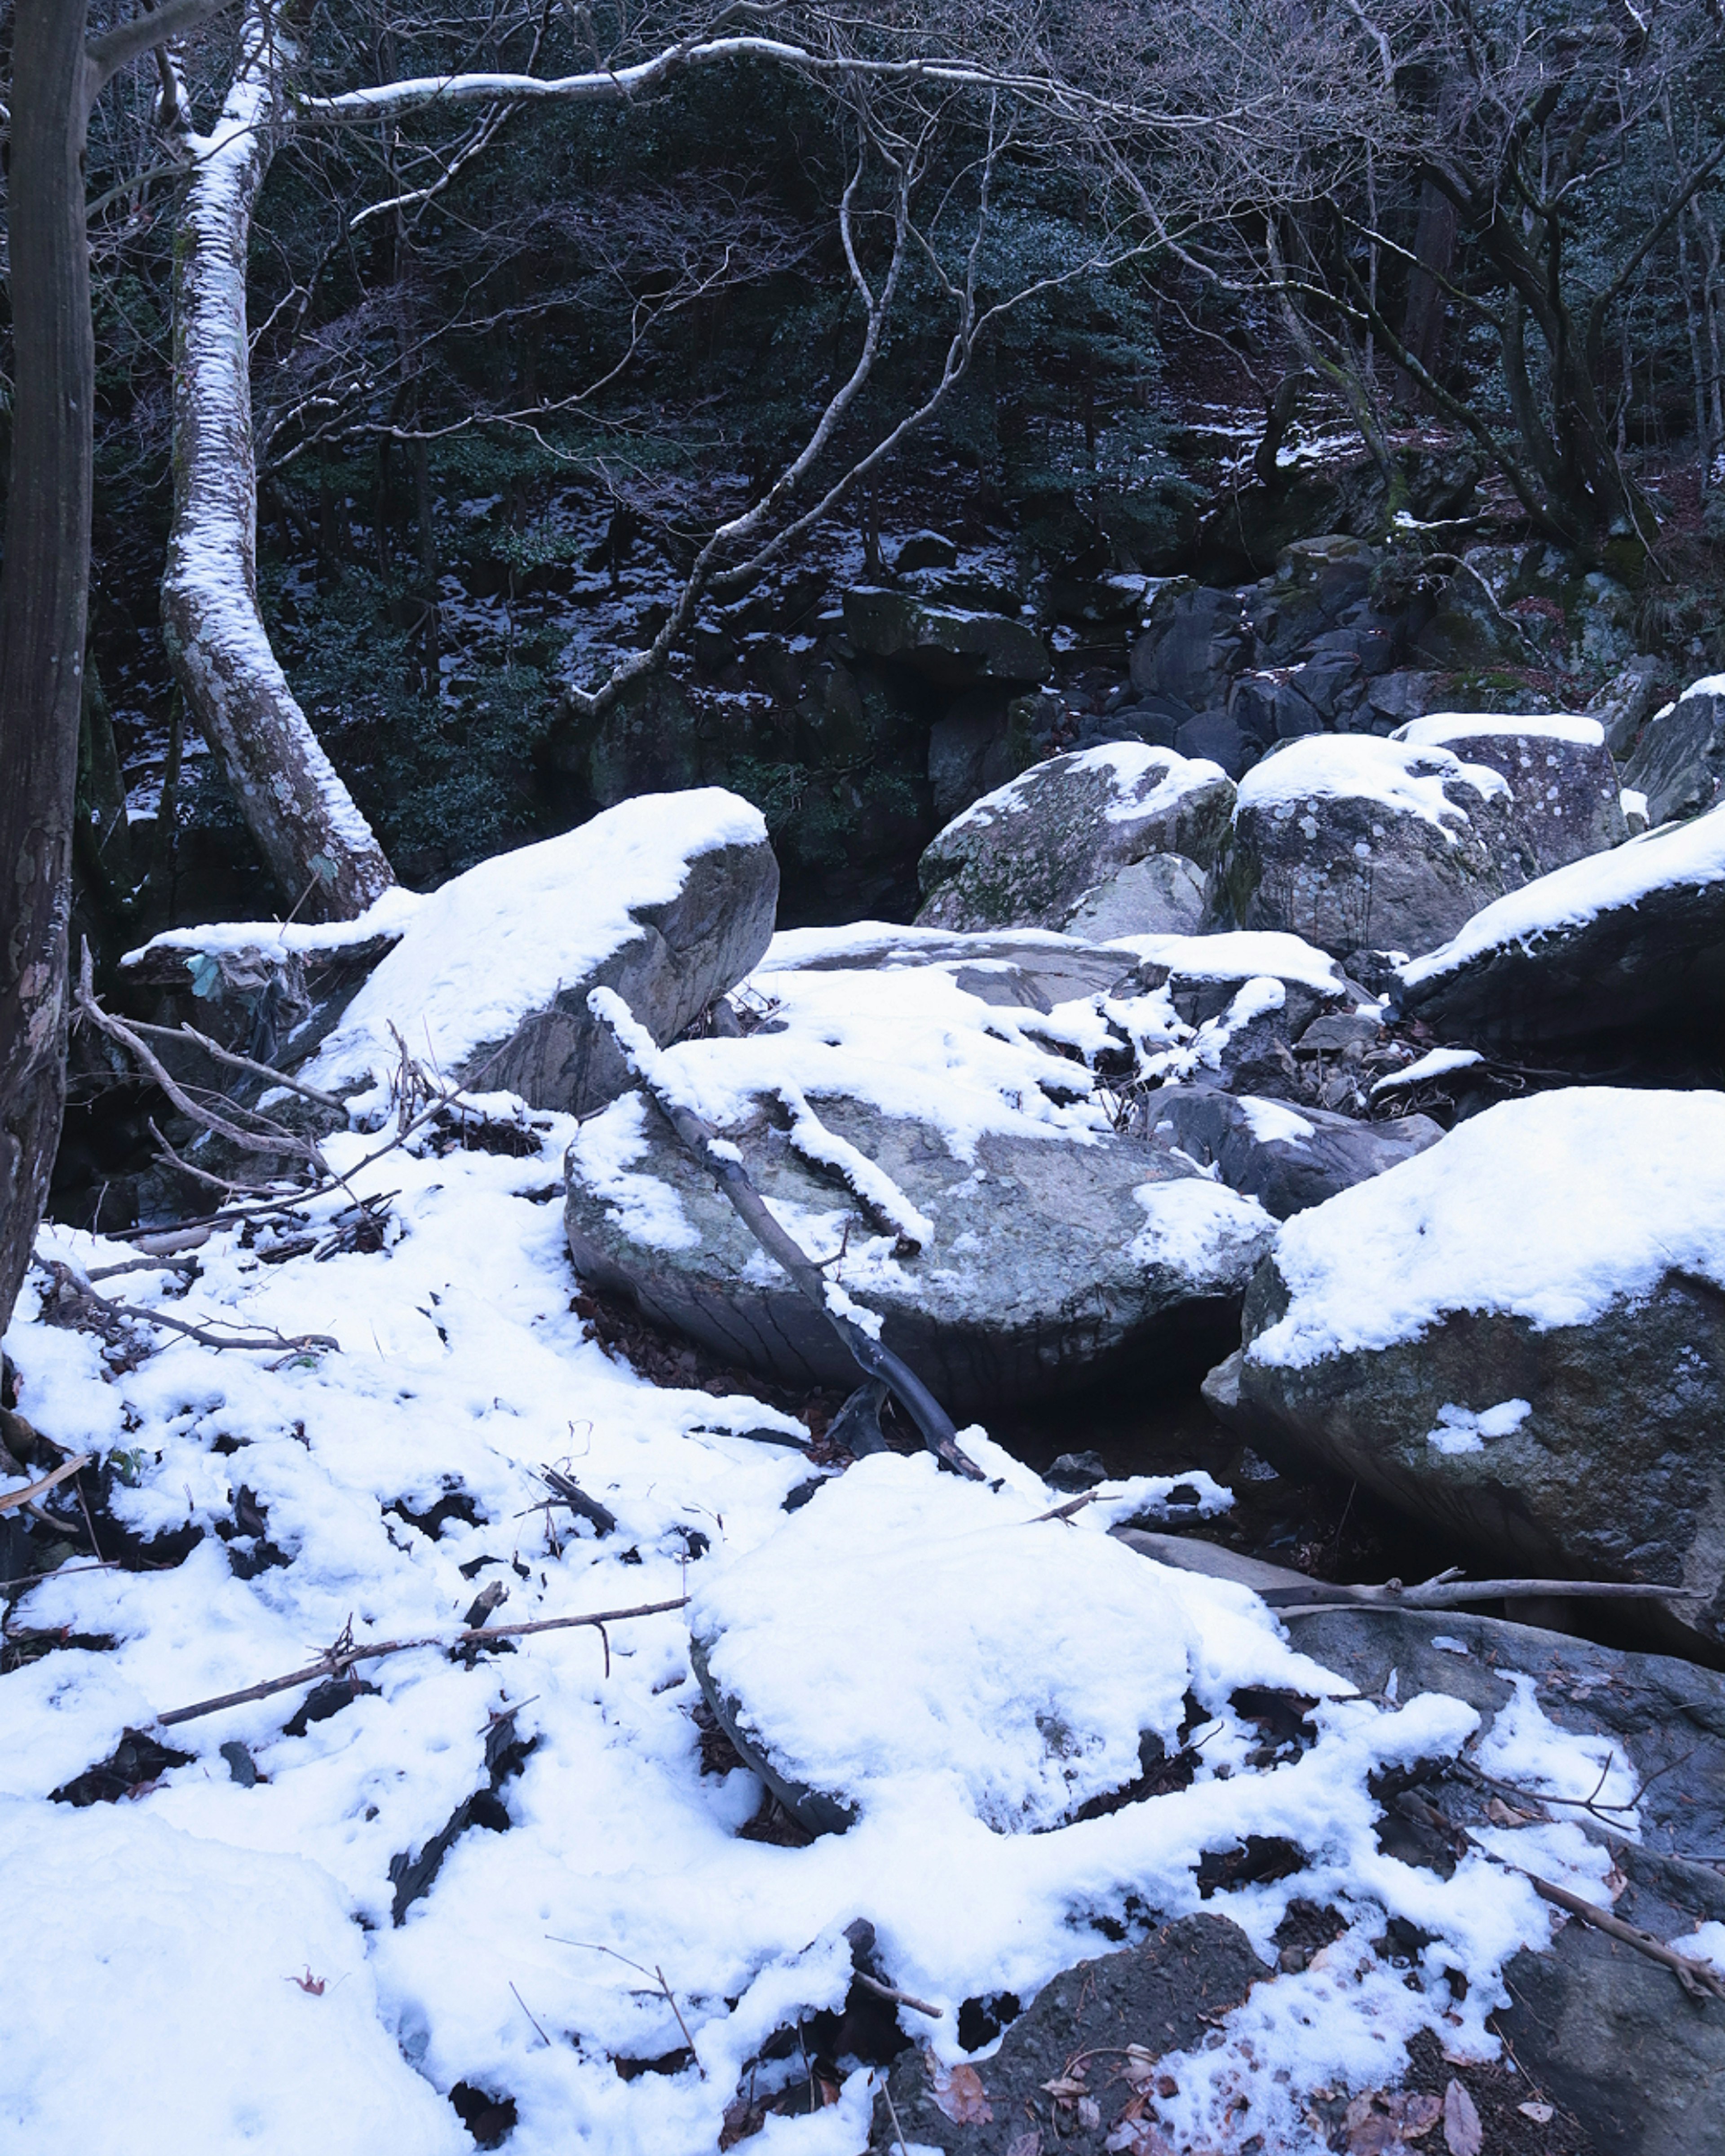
pixel 1027 853
pixel 492 977
pixel 951 645
pixel 1632 939
pixel 1287 1159
pixel 1520 1336
pixel 1354 843
pixel 1679 762
pixel 1563 782
pixel 1163 1996
pixel 1162 894
pixel 1197 640
pixel 1051 1262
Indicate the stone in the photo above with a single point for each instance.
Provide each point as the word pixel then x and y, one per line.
pixel 1025 854
pixel 669 899
pixel 1051 1262
pixel 1162 894
pixel 1287 1159
pixel 1272 708
pixel 1679 762
pixel 1316 582
pixel 1248 999
pixel 1392 699
pixel 1562 779
pixel 1355 842
pixel 925 549
pixel 1197 640
pixel 982 742
pixel 1626 703
pixel 1519 1336
pixel 1164 1995
pixel 952 646
pixel 1212 737
pixel 1628 943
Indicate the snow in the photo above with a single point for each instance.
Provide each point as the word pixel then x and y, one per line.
pixel 495 944
pixel 1706 1943
pixel 903 1632
pixel 1438 729
pixel 389 915
pixel 1690 853
pixel 1144 781
pixel 1273 1123
pixel 1551 1210
pixel 1435 1063
pixel 1401 779
pixel 1240 954
pixel 1460 1430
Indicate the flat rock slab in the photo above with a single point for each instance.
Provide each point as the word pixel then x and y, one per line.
pixel 1519 1335
pixel 953 646
pixel 1566 794
pixel 1051 1261
pixel 1635 938
pixel 1026 855
pixel 1354 843
pixel 1162 894
pixel 1162 1995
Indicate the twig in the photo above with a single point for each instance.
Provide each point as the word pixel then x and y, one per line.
pixel 1445 1592
pixel 528 2011
pixel 892 2113
pixel 274 1343
pixel 336 1660
pixel 1065 1511
pixel 593 1945
pixel 899 1998
pixel 237 1062
pixel 10 1500
pixel 702 1144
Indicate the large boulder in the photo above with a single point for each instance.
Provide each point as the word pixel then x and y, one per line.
pixel 669 899
pixel 1197 640
pixel 1033 1261
pixel 1027 853
pixel 1679 762
pixel 1563 782
pixel 1287 1159
pixel 1162 894
pixel 1520 1336
pixel 1353 843
pixel 1632 939
pixel 951 645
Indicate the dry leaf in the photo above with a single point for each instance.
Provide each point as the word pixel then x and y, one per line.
pixel 1137 2136
pixel 1387 2119
pixel 1462 2132
pixel 959 2091
pixel 1503 1814
pixel 1419 2114
pixel 1542 2114
pixel 1027 2145
pixel 1066 2088
pixel 1089 2113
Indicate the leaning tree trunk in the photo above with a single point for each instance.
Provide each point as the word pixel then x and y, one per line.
pixel 317 844
pixel 43 589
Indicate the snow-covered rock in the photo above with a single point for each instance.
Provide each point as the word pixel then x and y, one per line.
pixel 1631 938
pixel 1287 1159
pixel 1563 782
pixel 1026 855
pixel 667 898
pixel 1679 762
pixel 953 646
pixel 1520 1334
pixel 1355 842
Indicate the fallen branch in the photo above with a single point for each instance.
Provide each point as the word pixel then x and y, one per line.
pixel 703 1144
pixel 898 1997
pixel 1445 1591
pixel 10 1500
pixel 236 1062
pixel 74 1287
pixel 336 1660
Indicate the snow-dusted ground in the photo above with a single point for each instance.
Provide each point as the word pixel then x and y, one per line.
pixel 217 1965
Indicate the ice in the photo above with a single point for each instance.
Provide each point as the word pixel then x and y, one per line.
pixel 1404 780
pixel 1549 1209
pixel 1693 853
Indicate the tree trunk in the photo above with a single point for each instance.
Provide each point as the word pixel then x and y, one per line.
pixel 44 591
pixel 317 844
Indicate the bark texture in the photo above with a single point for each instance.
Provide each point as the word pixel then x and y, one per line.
pixel 42 597
pixel 318 845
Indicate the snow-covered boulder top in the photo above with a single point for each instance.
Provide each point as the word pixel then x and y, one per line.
pixel 385 922
pixel 1632 939
pixel 669 898
pixel 908 1645
pixel 1243 955
pixel 1549 1209
pixel 1438 729
pixel 1023 856
pixel 1407 780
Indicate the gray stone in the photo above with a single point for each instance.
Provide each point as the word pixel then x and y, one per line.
pixel 983 742
pixel 1355 842
pixel 1215 738
pixel 1162 894
pixel 1164 1995
pixel 1394 699
pixel 1032 971
pixel 1025 854
pixel 1572 963
pixel 1287 1159
pixel 925 549
pixel 1044 1269
pixel 1679 762
pixel 951 645
pixel 1562 777
pixel 1626 703
pixel 1337 1031
pixel 1197 640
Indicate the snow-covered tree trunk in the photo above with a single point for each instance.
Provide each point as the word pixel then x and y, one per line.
pixel 318 846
